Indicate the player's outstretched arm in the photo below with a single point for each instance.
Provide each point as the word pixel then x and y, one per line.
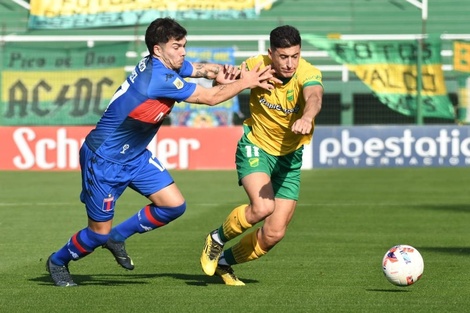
pixel 253 78
pixel 221 74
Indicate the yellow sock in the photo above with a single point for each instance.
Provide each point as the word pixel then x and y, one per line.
pixel 246 250
pixel 235 223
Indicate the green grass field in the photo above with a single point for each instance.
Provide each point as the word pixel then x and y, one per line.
pixel 329 261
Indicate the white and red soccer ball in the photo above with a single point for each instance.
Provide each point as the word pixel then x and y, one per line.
pixel 403 265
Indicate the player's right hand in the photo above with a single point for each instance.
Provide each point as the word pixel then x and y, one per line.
pixel 259 77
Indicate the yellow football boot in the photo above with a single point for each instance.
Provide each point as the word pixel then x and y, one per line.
pixel 228 276
pixel 210 255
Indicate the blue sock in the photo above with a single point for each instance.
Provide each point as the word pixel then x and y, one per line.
pixel 147 219
pixel 79 245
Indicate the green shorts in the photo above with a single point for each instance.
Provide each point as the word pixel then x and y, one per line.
pixel 283 170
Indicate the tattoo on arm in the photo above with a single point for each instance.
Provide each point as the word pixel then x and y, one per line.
pixel 201 73
pixel 216 70
pixel 203 70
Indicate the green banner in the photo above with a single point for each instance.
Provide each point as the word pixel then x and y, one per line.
pixel 60 14
pixel 58 86
pixel 389 69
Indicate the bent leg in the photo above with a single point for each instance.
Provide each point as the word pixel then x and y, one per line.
pixel 167 205
pixel 275 225
pixel 260 193
pixel 256 244
pixel 78 246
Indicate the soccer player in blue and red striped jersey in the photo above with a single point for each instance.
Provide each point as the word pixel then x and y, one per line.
pixel 114 155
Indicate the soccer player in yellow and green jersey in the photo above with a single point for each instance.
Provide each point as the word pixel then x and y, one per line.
pixel 268 157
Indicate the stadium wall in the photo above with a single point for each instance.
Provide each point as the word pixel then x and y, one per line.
pixel 394 142
pixel 184 148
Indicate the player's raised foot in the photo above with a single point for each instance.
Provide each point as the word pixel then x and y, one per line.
pixel 60 274
pixel 228 276
pixel 210 254
pixel 118 249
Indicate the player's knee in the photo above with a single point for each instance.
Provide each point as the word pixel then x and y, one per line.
pixel 271 237
pixel 168 214
pixel 178 210
pixel 262 209
pixel 94 239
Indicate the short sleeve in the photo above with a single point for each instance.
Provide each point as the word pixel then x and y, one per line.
pixel 186 70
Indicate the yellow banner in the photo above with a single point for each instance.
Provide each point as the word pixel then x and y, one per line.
pixel 52 8
pixel 74 97
pixel 401 78
pixel 52 85
pixel 462 56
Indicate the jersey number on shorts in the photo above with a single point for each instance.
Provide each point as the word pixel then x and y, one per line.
pixel 154 161
pixel 252 151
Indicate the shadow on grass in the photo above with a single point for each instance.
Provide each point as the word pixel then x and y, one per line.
pixel 137 279
pixel 388 290
pixel 447 250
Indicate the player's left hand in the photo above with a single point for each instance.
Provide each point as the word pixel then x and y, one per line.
pixel 302 126
pixel 228 74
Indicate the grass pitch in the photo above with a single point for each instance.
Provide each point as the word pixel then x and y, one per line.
pixel 329 261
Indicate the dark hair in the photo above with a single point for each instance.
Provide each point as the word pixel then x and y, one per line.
pixel 284 37
pixel 162 30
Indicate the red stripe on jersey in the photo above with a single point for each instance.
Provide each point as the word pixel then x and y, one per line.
pixel 152 110
pixel 150 217
pixel 77 244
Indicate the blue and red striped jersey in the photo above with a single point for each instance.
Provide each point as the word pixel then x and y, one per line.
pixel 137 109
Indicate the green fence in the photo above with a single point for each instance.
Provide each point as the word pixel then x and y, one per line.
pixel 347 100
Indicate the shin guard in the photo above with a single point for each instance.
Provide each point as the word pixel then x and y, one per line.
pixel 235 224
pixel 248 249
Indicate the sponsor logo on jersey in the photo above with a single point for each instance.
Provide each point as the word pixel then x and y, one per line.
pixel 178 83
pixel 279 107
pixel 290 95
pixel 124 148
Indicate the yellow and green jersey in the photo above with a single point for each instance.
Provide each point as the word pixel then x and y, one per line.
pixel 274 112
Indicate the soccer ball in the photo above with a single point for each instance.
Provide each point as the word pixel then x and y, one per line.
pixel 403 265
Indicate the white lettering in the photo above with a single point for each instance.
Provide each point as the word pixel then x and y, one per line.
pixel 166 149
pixel 46 153
pixel 21 137
pixel 42 147
pixel 326 152
pixel 185 146
pixel 348 142
pixel 384 161
pixel 373 147
pixel 393 147
pixel 443 141
pixel 67 150
pixel 407 140
pixel 447 148
pixel 465 147
pixel 426 146
pixel 180 150
pixel 454 161
pixel 455 142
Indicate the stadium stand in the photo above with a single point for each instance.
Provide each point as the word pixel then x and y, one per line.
pixel 319 17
